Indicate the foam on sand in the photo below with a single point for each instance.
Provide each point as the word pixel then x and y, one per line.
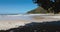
pixel 12 21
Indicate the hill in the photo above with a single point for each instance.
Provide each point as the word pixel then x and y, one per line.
pixel 37 11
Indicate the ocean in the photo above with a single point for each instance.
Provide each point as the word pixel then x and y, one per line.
pixel 19 16
pixel 13 21
pixel 25 16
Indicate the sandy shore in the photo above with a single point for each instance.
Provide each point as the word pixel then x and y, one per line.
pixel 7 24
pixel 16 21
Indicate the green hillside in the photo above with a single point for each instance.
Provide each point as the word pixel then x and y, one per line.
pixel 37 11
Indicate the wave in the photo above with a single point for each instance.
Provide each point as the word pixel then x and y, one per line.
pixel 26 16
pixel 23 14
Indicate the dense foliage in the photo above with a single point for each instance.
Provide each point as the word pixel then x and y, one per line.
pixel 50 5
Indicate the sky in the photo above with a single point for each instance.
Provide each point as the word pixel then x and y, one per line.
pixel 16 6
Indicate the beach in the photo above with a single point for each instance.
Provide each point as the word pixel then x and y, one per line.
pixel 13 21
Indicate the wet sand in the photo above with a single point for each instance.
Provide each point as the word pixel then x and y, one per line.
pixel 7 22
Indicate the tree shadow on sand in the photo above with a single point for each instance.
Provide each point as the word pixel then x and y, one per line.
pixel 53 26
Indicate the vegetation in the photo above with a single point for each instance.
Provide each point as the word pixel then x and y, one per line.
pixel 53 26
pixel 38 10
pixel 50 5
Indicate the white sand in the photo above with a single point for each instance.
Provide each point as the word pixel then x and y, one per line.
pixel 11 24
pixel 7 22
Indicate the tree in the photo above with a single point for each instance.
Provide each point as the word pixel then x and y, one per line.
pixel 50 5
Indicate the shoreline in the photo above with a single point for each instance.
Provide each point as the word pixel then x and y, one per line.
pixel 15 21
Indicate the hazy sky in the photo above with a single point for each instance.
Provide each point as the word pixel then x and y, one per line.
pixel 16 6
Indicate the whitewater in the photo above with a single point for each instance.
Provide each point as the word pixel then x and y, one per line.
pixel 13 21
